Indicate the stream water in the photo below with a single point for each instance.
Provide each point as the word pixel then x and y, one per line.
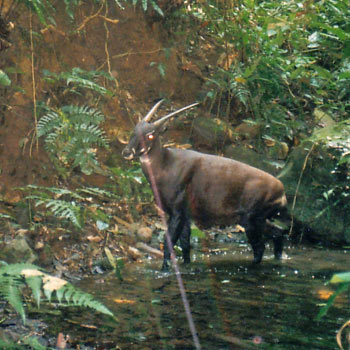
pixel 234 305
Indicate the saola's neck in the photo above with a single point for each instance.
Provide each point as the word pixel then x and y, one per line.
pixel 154 159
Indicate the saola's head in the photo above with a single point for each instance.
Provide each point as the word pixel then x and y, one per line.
pixel 146 133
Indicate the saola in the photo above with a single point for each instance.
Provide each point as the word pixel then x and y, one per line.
pixel 209 189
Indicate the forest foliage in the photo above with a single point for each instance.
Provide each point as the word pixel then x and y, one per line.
pixel 282 65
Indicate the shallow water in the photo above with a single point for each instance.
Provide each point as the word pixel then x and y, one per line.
pixel 234 305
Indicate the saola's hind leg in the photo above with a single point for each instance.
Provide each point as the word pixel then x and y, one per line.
pixel 277 238
pixel 254 228
pixel 278 246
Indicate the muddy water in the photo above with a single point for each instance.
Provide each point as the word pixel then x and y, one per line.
pixel 234 305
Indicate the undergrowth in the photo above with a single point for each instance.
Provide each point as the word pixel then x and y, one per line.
pixel 15 277
pixel 72 134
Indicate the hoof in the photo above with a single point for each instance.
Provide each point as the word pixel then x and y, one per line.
pixel 257 261
pixel 187 261
pixel 165 266
pixel 278 256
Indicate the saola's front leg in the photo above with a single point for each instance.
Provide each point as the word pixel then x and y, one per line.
pixel 179 226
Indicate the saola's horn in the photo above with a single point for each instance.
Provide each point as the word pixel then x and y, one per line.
pixel 152 111
pixel 163 119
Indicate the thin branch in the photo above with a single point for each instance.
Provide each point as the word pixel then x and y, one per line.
pixel 54 29
pixel 136 53
pixel 106 46
pixel 297 189
pixel 1 6
pixel 11 9
pixel 129 54
pixel 88 19
pixel 33 86
pixel 114 21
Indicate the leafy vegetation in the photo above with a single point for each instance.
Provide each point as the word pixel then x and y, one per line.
pixel 83 205
pixel 145 4
pixel 25 342
pixel 278 63
pixel 4 79
pixel 79 79
pixel 132 187
pixel 71 135
pixel 284 65
pixel 14 277
pixel 74 207
pixel 341 279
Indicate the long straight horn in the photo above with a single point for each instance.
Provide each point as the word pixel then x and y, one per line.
pixel 163 119
pixel 152 111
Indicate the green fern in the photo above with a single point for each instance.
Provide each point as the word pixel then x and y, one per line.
pixel 229 83
pixel 72 206
pixel 80 79
pixel 71 135
pixel 14 277
pixel 22 343
pixel 61 203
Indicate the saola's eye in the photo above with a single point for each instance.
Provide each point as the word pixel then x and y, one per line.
pixel 150 137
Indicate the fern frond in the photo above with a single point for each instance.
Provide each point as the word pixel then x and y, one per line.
pixel 80 78
pixel 62 209
pixel 70 134
pixel 91 134
pixel 48 123
pixel 15 276
pixel 35 283
pixel 96 192
pixel 10 287
pixel 241 92
pixel 80 298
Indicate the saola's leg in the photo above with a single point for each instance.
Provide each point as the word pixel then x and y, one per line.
pixel 278 246
pixel 178 227
pixel 277 238
pixel 276 231
pixel 185 237
pixel 254 228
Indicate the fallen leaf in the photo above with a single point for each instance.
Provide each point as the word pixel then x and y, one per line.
pixel 124 301
pixel 52 283
pixel 324 294
pixel 94 238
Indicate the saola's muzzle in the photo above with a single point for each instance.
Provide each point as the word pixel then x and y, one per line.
pixel 128 154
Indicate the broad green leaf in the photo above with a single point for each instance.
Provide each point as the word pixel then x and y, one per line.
pixel 4 79
pixel 340 277
pixel 196 232
pixel 342 288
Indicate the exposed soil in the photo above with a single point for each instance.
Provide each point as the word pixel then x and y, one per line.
pixel 121 41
